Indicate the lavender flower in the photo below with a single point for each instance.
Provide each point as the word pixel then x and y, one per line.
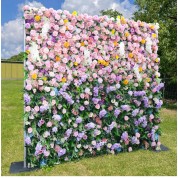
pixel 90 125
pixel 68 132
pixel 57 117
pixel 124 136
pixel 102 113
pixel 54 129
pixel 27 98
pixel 78 120
pixel 95 91
pixel 116 112
pixel 135 112
pixel 28 140
pixel 62 152
pixel 139 93
pixel 125 107
pixel 115 146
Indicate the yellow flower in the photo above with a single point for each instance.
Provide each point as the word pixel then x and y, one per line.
pixel 75 64
pixel 140 69
pixel 44 78
pixel 148 79
pixel 117 57
pixel 119 17
pixel 65 21
pixel 152 27
pixel 106 63
pixel 67 28
pixel 66 44
pixel 157 60
pixel 63 80
pixel 125 82
pixel 113 31
pixel 143 41
pixel 115 43
pixel 127 34
pixel 58 58
pixel 123 21
pixel 34 76
pixel 82 44
pixel 74 13
pixel 130 55
pixel 27 51
pixel 154 35
pixel 37 18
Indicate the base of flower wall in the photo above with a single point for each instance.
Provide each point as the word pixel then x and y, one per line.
pixel 18 167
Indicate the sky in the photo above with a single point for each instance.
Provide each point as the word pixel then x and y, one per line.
pixel 12 38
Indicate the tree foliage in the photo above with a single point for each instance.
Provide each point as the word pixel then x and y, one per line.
pixel 163 12
pixel 18 57
pixel 111 13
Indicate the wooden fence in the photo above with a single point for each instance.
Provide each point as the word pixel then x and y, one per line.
pixel 12 70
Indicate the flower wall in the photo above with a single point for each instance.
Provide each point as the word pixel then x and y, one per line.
pixel 91 85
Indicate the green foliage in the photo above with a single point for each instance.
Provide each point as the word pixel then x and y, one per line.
pixel 19 57
pixel 111 13
pixel 163 12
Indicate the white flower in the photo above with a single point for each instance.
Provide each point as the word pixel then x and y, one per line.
pixel 34 52
pixel 47 89
pixel 118 85
pixel 45 28
pixel 148 45
pixel 109 145
pixel 79 146
pixel 122 49
pixel 93 142
pixel 136 71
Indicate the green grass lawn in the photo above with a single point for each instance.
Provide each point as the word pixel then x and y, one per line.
pixel 136 163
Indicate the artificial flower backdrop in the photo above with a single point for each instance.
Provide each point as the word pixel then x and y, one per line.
pixel 91 85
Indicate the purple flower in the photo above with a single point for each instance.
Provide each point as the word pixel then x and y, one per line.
pixel 43 108
pixel 139 93
pixel 146 101
pixel 116 112
pixel 158 88
pixel 90 125
pixel 80 136
pixel 78 120
pixel 95 91
pixel 38 149
pixel 95 100
pixel 125 107
pixel 62 152
pixel 68 132
pixel 27 98
pixel 27 25
pixel 115 146
pixel 40 122
pixel 134 140
pixel 56 117
pixel 102 113
pixel 135 112
pixel 124 136
pixel 82 108
pixel 28 140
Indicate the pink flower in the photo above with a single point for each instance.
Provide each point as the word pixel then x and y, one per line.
pixel 28 109
pixel 137 135
pixel 126 118
pixel 46 153
pixel 30 130
pixel 28 87
pixel 49 124
pixel 55 33
pixel 36 108
pixel 97 106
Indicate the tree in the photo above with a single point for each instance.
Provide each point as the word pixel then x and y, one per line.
pixel 15 58
pixel 163 12
pixel 111 13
